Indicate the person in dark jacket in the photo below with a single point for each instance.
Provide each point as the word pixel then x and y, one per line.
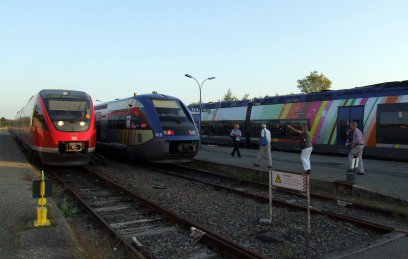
pixel 236 137
pixel 306 146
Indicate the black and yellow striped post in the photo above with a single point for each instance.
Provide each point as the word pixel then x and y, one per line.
pixel 42 210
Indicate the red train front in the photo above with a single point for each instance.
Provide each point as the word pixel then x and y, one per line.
pixel 58 125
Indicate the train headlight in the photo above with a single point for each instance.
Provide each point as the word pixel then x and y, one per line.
pixel 82 123
pixel 60 123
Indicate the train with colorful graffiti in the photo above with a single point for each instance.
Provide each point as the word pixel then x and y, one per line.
pixel 58 126
pixel 149 127
pixel 381 111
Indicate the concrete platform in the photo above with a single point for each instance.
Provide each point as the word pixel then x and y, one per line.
pixel 18 237
pixel 384 179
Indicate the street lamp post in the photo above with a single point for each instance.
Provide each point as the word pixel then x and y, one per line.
pixel 199 87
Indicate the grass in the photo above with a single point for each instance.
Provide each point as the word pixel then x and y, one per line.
pixel 96 243
pixel 93 241
pixel 68 208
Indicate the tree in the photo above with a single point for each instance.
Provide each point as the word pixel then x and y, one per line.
pixel 314 83
pixel 229 97
pixel 2 122
pixel 245 97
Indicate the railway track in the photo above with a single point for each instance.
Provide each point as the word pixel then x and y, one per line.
pixel 238 218
pixel 259 191
pixel 144 227
pixel 260 187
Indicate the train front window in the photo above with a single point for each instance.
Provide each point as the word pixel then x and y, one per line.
pixel 69 115
pixel 173 117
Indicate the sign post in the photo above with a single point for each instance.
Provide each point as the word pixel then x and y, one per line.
pixel 289 180
pixel 269 219
pixel 298 182
pixel 308 201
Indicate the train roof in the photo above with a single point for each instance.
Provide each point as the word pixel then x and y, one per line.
pixel 61 93
pixel 382 89
pixel 214 105
pixel 141 96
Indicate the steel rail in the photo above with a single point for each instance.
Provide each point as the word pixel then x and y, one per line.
pixel 313 195
pixel 263 199
pixel 138 251
pixel 224 246
pixel 318 196
pixel 228 248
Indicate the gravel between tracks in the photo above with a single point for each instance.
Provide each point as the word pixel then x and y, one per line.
pixel 238 218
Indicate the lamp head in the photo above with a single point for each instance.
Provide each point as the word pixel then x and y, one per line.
pixel 188 75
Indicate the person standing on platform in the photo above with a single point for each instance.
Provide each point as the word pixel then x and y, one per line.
pixel 236 137
pixel 305 145
pixel 357 147
pixel 264 146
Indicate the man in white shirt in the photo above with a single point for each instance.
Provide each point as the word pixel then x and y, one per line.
pixel 264 146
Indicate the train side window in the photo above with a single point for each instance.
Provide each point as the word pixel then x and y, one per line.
pixel 277 128
pixel 206 128
pixel 392 123
pixel 222 128
pixel 297 124
pixel 38 117
pixel 116 121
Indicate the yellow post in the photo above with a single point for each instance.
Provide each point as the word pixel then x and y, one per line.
pixel 42 211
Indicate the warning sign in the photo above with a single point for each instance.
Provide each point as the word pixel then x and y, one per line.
pixel 277 179
pixel 289 180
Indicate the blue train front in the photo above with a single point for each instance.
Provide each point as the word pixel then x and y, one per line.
pixel 152 127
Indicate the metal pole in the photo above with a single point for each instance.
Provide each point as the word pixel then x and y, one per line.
pixel 199 88
pixel 199 121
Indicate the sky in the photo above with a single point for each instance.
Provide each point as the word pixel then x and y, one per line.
pixel 112 49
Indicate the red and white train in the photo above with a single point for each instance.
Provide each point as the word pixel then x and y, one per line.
pixel 59 126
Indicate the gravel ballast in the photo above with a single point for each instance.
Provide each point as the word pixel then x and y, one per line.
pixel 238 218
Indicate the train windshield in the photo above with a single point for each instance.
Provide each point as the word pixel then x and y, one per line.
pixel 173 117
pixel 70 114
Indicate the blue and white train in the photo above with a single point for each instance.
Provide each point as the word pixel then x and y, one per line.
pixel 152 127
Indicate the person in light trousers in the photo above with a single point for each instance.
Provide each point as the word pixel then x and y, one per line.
pixel 264 146
pixel 306 146
pixel 357 147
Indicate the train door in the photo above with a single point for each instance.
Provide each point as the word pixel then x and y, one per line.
pixel 345 116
